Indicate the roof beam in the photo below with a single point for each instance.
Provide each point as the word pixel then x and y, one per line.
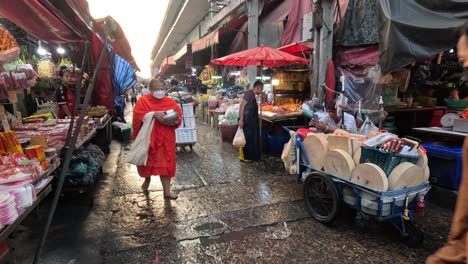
pixel 225 12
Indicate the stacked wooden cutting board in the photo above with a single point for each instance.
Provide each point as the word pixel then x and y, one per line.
pixel 340 155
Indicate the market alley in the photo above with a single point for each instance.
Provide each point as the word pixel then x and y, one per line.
pixel 227 212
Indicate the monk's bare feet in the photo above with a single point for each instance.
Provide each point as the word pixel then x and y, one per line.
pixel 146 184
pixel 171 196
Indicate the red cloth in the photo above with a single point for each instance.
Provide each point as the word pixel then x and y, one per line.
pixel 330 82
pixel 103 93
pixel 292 31
pixel 162 153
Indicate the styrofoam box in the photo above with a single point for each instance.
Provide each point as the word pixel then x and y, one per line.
pixel 187 110
pixel 369 203
pixel 186 135
pixel 189 122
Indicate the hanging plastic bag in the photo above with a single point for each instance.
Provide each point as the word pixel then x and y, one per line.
pixel 138 154
pixel 368 127
pixel 239 139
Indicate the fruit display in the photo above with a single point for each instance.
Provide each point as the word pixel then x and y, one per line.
pixel 293 106
pixel 46 68
pixel 97 111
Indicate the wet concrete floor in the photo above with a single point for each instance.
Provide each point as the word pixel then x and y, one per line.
pixel 227 212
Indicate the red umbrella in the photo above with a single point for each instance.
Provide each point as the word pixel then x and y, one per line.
pixel 260 56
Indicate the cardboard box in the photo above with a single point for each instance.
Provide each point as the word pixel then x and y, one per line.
pixel 460 125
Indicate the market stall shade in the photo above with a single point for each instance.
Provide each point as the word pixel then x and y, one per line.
pixel 260 56
pixel 296 48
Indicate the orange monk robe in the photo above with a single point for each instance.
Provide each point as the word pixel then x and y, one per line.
pixel 162 151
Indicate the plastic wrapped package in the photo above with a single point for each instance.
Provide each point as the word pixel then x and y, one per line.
pixel 362 83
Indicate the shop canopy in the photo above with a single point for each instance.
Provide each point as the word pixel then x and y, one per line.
pixel 39 21
pixel 412 30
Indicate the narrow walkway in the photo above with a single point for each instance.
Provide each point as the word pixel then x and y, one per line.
pixel 227 212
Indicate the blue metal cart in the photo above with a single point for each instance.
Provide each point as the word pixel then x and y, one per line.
pixel 325 194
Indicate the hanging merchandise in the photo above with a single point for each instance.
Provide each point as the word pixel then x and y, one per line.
pixel 9 49
pixel 207 76
pixel 46 68
pixel 242 80
pixel 362 83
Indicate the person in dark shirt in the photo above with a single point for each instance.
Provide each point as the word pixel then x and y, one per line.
pixel 64 95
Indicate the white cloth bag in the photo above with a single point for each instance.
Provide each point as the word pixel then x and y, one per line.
pixel 138 153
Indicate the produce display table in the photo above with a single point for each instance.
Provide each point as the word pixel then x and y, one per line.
pixel 440 131
pixel 103 137
pixel 42 190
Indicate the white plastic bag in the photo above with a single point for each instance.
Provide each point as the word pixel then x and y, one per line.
pixel 368 127
pixel 239 139
pixel 138 154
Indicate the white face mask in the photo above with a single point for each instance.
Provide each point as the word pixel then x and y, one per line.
pixel 159 94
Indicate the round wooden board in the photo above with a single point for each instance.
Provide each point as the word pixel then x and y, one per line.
pixel 405 175
pixel 357 157
pixel 341 132
pixel 316 148
pixel 370 175
pixel 339 163
pixel 422 161
pixel 427 173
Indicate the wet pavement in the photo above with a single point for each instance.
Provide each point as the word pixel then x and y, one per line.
pixel 227 212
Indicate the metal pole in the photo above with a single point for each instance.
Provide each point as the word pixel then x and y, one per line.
pixel 252 41
pixel 77 94
pixel 261 103
pixel 316 52
pixel 68 156
pixel 326 45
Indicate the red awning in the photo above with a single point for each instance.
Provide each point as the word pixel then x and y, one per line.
pixel 359 56
pixel 205 42
pixel 36 19
pixel 120 44
pixel 296 48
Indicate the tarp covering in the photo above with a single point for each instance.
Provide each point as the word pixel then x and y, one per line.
pixel 205 42
pixel 416 29
pixel 33 17
pixel 360 25
pixel 123 77
pixel 292 32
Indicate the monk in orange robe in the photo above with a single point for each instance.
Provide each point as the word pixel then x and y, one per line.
pixel 162 151
pixel 456 249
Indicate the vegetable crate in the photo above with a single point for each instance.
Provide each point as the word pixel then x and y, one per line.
pixel 325 194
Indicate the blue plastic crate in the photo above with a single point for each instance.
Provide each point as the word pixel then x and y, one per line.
pixel 445 164
pixel 276 143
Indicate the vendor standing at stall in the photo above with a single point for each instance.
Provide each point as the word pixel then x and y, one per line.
pixel 64 94
pixel 332 121
pixel 248 121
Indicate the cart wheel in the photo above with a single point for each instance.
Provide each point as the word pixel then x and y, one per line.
pixel 321 197
pixel 413 236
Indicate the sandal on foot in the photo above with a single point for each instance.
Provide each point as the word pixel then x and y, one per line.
pixel 171 196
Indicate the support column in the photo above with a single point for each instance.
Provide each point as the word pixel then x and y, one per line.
pixel 326 45
pixel 317 22
pixel 252 41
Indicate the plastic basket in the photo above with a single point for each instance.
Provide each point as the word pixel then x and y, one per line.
pixel 187 110
pixel 456 104
pixel 387 161
pixel 186 136
pixel 189 122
